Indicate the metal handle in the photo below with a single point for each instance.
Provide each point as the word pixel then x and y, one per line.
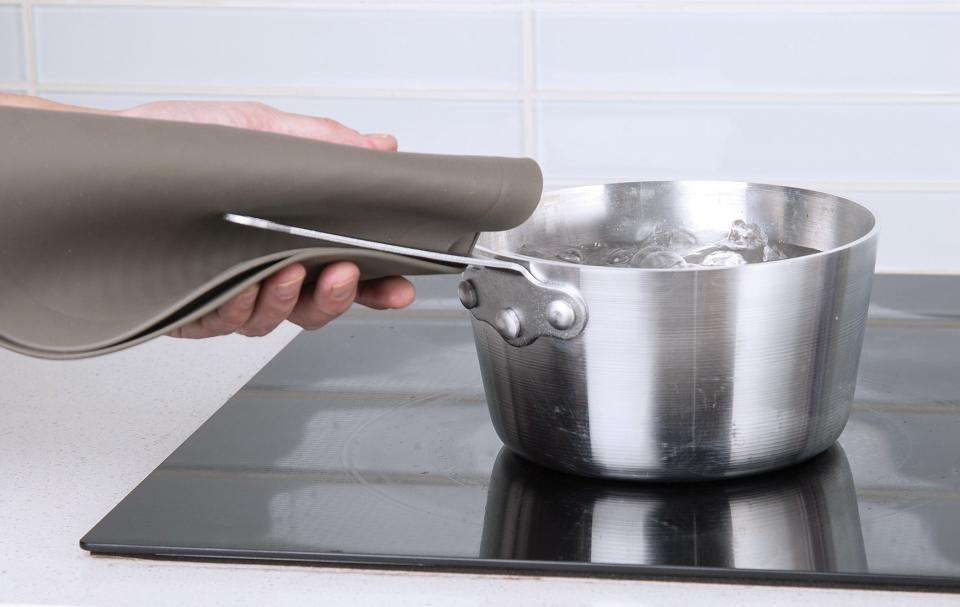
pixel 520 310
pixel 372 245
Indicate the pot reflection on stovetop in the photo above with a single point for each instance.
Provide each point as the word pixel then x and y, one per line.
pixel 802 519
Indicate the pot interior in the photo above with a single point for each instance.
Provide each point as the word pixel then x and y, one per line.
pixel 629 211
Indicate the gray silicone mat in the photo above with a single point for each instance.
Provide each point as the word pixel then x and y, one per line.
pixel 112 228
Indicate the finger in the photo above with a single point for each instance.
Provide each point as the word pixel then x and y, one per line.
pixel 326 129
pixel 232 315
pixel 224 320
pixel 333 295
pixel 383 141
pixel 323 129
pixel 193 330
pixel 277 299
pixel 393 292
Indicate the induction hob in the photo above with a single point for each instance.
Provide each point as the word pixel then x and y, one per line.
pixel 369 443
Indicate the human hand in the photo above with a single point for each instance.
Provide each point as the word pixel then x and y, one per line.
pixel 262 307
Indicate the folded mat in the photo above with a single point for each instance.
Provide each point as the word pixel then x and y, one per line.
pixel 112 230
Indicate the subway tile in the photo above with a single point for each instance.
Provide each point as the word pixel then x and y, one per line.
pixel 665 5
pixel 11 45
pixel 278 47
pixel 454 127
pixel 918 230
pixel 750 141
pixel 741 51
pixel 448 127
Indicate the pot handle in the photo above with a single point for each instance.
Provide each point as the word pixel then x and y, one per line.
pixel 503 294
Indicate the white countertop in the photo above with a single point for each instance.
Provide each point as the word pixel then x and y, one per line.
pixel 76 437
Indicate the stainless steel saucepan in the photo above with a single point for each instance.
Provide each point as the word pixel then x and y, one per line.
pixel 694 373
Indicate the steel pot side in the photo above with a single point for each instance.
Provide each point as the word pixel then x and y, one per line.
pixel 686 374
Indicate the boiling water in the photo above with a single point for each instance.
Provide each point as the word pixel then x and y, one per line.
pixel 669 246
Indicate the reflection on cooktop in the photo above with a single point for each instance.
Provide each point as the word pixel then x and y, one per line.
pixel 806 520
pixel 370 442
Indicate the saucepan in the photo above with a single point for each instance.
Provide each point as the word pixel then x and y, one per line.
pixel 667 374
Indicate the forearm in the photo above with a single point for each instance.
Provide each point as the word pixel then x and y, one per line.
pixel 11 100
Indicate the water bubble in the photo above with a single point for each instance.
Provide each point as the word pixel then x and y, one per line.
pixel 570 255
pixel 723 259
pixel 683 238
pixel 745 236
pixel 671 246
pixel 529 251
pixel 697 255
pixel 595 254
pixel 642 253
pixel 657 258
pixel 620 257
pixel 670 236
pixel 773 253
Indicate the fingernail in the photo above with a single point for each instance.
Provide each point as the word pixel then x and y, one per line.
pixel 342 291
pixel 288 290
pixel 381 140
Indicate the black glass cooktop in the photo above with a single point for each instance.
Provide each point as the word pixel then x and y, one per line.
pixel 369 443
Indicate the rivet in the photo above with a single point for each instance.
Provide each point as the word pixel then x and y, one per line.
pixel 468 294
pixel 508 323
pixel 561 315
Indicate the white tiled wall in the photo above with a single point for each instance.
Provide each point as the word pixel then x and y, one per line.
pixel 747 51
pixel 755 141
pixel 856 97
pixel 278 47
pixel 11 46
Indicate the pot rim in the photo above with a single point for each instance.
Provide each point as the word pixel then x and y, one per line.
pixel 527 260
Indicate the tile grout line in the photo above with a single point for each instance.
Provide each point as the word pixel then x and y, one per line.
pixel 528 64
pixel 797 97
pixel 380 5
pixel 858 7
pixel 533 93
pixel 857 186
pixel 29 46
pixel 287 91
pixel 695 6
